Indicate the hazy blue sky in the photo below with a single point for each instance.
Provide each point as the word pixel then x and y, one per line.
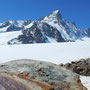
pixel 71 10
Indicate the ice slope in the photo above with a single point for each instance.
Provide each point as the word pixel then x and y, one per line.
pixel 5 37
pixel 52 52
pixel 4 29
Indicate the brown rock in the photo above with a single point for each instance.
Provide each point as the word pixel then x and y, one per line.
pixel 81 67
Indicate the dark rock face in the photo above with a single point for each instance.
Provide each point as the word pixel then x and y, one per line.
pixel 13 28
pixel 14 25
pixel 81 67
pixel 36 75
pixel 52 32
pixel 27 22
pixel 87 32
pixel 35 34
pixel 32 35
pixel 5 24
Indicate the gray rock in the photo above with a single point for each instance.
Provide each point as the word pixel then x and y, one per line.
pixel 37 75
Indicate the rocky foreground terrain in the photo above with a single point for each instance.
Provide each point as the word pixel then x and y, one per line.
pixel 37 75
pixel 81 67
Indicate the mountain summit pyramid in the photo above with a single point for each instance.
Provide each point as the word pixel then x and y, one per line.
pixel 54 15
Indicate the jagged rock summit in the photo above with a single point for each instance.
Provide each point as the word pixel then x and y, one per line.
pixel 51 28
pixel 54 16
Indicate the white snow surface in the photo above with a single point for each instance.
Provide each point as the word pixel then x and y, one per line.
pixel 29 25
pixel 52 52
pixel 18 23
pixel 85 81
pixel 6 36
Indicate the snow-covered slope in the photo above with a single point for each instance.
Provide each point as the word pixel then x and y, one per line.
pixel 5 37
pixel 55 52
pixel 11 25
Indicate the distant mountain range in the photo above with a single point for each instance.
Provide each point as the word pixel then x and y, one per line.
pixel 51 28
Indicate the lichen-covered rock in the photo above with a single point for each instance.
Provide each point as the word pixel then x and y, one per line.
pixel 37 75
pixel 81 67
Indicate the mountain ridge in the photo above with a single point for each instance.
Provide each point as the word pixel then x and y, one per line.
pixel 51 28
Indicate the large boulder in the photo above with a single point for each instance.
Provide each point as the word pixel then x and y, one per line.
pixel 37 75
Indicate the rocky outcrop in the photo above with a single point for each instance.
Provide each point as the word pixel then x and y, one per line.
pixel 35 35
pixel 37 75
pixel 87 32
pixel 11 25
pixel 81 67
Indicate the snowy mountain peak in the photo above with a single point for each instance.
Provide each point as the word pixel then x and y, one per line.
pixel 29 25
pixel 87 32
pixel 55 12
pixel 19 23
pixel 54 17
pixel 13 25
pixel 51 28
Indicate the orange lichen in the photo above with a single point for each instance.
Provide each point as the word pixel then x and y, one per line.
pixel 43 86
